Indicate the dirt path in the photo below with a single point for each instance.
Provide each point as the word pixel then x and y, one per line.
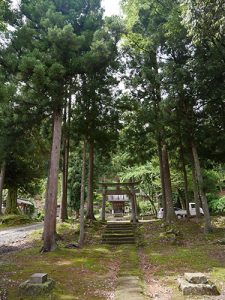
pixel 153 288
pixel 15 238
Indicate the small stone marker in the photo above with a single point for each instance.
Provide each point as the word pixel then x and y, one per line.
pixel 197 284
pixel 196 278
pixel 39 278
pixel 38 284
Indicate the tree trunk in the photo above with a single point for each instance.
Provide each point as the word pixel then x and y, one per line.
pixel 181 199
pixel 170 213
pixel 208 225
pixel 82 192
pixel 66 142
pixel 51 195
pixel 195 189
pixel 2 177
pixel 162 179
pixel 90 205
pixel 11 202
pixel 183 166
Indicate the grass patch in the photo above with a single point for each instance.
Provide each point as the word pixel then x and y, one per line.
pixel 87 273
pixel 195 252
pixel 14 220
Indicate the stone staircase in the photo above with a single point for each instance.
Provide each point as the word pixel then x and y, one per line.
pixel 119 233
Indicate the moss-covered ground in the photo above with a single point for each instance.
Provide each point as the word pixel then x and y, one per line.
pixel 92 272
pixel 188 250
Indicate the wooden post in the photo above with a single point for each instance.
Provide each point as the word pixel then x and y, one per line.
pixel 104 195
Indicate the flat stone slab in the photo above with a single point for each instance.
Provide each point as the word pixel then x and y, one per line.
pixel 196 278
pixel 39 278
pixel 194 289
pixel 129 288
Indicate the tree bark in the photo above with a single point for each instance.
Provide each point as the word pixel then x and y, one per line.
pixel 66 148
pixel 195 189
pixel 90 205
pixel 11 202
pixel 82 192
pixel 162 179
pixel 2 178
pixel 183 166
pixel 51 195
pixel 170 213
pixel 208 225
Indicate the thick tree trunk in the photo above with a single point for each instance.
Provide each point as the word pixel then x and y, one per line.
pixel 51 195
pixel 11 201
pixel 195 189
pixel 183 166
pixel 162 178
pixel 2 177
pixel 181 199
pixel 90 205
pixel 170 213
pixel 64 213
pixel 208 225
pixel 82 192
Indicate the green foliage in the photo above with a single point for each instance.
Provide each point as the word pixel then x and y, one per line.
pixel 144 207
pixel 216 204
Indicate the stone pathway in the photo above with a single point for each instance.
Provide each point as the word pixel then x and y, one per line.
pixel 130 285
pixel 129 288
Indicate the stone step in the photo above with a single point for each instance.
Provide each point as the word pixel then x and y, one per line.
pixel 118 231
pixel 119 242
pixel 122 237
pixel 121 225
pixel 118 234
pixel 120 228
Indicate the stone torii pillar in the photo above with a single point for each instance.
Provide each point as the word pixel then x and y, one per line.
pixel 104 198
pixel 131 193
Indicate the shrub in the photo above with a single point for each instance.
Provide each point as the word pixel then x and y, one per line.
pixel 217 205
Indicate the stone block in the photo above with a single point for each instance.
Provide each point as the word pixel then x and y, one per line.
pixel 188 288
pixel 38 278
pixel 35 289
pixel 196 278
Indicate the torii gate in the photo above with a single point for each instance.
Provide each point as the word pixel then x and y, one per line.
pixel 128 188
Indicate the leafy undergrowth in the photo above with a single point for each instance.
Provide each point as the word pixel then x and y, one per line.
pixel 172 250
pixel 14 220
pixel 88 273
